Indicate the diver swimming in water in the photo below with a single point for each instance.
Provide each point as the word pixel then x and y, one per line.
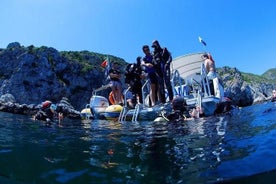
pixel 48 112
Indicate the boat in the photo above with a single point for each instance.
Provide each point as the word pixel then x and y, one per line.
pixel 194 85
pixel 100 109
pixel 189 80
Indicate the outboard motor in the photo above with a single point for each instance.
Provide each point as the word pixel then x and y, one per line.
pixel 98 104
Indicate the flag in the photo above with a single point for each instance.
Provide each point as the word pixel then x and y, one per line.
pixel 202 41
pixel 104 63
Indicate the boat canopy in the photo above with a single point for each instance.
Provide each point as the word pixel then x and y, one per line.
pixel 189 66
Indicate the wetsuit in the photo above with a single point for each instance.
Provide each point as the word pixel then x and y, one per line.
pixel 132 77
pixel 162 60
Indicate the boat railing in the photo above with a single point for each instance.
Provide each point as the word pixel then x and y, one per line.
pixel 104 87
pixel 176 80
pixel 200 85
pixel 196 86
pixel 144 92
pixel 205 81
pixel 123 114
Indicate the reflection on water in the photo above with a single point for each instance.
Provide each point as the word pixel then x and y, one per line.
pixel 196 151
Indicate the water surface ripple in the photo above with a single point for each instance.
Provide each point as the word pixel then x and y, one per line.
pixel 236 147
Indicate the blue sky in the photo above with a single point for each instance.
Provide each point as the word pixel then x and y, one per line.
pixel 239 33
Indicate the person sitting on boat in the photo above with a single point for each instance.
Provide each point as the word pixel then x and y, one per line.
pixel 163 59
pixel 150 70
pixel 133 78
pixel 129 101
pixel 48 112
pixel 115 83
pixel 273 97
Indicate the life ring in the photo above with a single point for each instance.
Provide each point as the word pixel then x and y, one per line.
pixel 111 98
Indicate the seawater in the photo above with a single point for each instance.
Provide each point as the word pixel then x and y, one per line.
pixel 236 148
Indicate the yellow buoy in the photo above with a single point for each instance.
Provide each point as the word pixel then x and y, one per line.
pixel 113 112
pixel 114 108
pixel 86 113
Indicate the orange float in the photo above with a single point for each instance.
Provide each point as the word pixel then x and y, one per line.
pixel 111 98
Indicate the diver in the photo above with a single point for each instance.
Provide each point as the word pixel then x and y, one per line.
pixel 147 63
pixel 226 105
pixel 162 60
pixel 133 77
pixel 48 112
pixel 179 112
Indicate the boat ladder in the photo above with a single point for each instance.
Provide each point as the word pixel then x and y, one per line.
pixel 123 113
pixel 138 106
pixel 205 81
pixel 199 99
pixel 136 112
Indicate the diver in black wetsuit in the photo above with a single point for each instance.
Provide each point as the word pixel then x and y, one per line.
pixel 133 79
pixel 48 112
pixel 180 112
pixel 162 59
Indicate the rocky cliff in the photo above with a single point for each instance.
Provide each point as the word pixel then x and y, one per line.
pixel 247 89
pixel 35 74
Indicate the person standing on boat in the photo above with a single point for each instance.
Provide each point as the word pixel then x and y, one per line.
pixel 150 70
pixel 115 83
pixel 163 59
pixel 133 78
pixel 210 67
